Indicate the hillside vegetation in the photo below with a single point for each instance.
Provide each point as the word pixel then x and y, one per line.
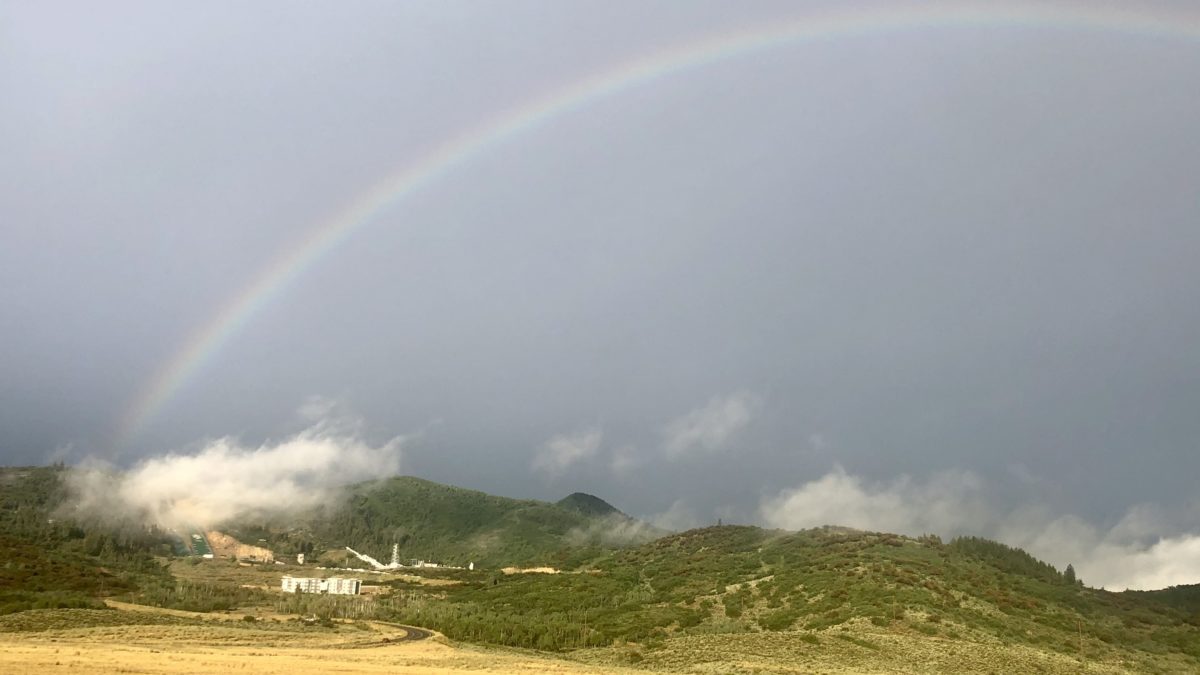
pixel 56 561
pixel 452 525
pixel 815 585
pixel 723 596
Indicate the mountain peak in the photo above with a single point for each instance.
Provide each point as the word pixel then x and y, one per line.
pixel 588 505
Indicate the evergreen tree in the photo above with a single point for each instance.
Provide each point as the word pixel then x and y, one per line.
pixel 1069 575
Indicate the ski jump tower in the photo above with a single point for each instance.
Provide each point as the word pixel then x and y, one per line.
pixel 394 564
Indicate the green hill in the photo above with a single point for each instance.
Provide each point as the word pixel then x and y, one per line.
pixel 891 600
pixel 451 525
pixel 588 505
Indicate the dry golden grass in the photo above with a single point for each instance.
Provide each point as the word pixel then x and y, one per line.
pixel 216 646
pixel 154 650
pixel 153 641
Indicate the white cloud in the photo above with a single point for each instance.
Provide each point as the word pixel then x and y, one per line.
pixel 560 452
pixel 948 501
pixel 625 459
pixel 709 428
pixel 1146 549
pixel 63 453
pixel 1169 562
pixel 224 479
pixel 613 529
pixel 1141 551
pixel 677 518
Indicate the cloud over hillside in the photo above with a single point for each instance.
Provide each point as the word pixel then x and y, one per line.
pixel 225 479
pixel 1146 549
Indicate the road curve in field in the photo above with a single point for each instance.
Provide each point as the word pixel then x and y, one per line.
pixel 412 633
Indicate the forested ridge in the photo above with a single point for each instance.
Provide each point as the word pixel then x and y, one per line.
pixel 448 524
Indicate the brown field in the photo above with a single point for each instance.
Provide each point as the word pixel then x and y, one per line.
pixel 157 650
pixel 187 644
pixel 143 640
pixel 137 639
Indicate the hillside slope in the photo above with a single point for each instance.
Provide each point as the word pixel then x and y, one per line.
pixel 52 561
pixel 448 524
pixel 676 594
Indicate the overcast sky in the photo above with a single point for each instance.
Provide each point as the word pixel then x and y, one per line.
pixel 952 263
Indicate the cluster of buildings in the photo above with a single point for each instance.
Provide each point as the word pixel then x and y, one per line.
pixel 350 586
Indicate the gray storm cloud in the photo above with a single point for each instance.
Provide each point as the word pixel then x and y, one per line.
pixel 225 479
pixel 937 247
pixel 1146 549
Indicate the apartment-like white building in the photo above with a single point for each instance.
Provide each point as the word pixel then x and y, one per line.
pixel 339 586
pixel 332 585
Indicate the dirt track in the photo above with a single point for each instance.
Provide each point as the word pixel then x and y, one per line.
pixel 412 633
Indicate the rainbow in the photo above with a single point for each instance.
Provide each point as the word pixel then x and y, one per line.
pixel 843 22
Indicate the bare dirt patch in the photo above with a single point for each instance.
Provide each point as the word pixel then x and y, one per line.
pixel 529 570
pixel 225 546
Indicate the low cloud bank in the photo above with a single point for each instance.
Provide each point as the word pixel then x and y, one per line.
pixel 225 480
pixel 677 518
pixel 1145 550
pixel 614 529
pixel 617 529
pixel 947 502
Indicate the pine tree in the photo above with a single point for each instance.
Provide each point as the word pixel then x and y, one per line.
pixel 1069 575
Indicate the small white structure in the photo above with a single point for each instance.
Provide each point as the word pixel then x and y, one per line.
pixel 299 558
pixel 332 585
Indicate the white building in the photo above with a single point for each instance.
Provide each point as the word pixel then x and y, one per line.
pixel 339 586
pixel 332 585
